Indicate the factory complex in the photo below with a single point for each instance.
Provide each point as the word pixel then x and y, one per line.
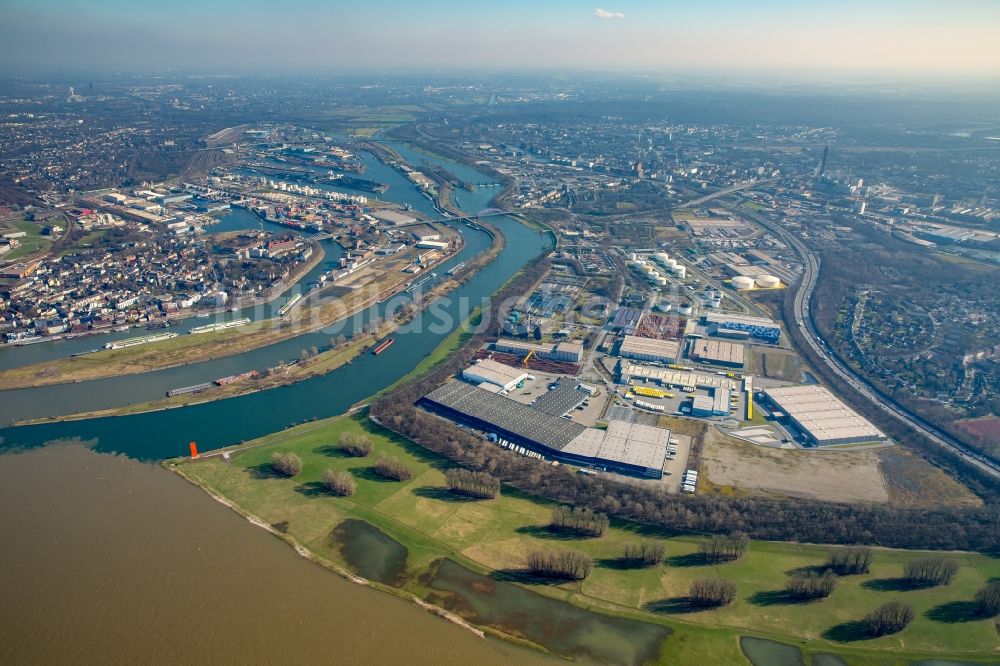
pixel 821 418
pixel 543 426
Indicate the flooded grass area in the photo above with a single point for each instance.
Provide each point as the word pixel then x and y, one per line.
pixel 370 552
pixel 558 626
pixel 763 652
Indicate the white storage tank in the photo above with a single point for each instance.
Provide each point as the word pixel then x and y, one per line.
pixel 661 281
pixel 660 257
pixel 680 271
pixel 742 282
pixel 767 281
pixel 684 309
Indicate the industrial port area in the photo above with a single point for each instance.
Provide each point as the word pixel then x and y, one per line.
pixel 549 356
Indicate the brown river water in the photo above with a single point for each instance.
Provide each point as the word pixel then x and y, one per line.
pixel 107 560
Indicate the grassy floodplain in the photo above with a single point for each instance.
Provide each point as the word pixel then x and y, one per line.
pixel 495 536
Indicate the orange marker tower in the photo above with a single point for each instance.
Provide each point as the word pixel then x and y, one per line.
pixel 194 449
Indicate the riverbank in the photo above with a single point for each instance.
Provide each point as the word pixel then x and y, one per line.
pixel 492 538
pixel 314 366
pixel 310 316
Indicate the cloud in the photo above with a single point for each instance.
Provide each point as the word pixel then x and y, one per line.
pixel 606 15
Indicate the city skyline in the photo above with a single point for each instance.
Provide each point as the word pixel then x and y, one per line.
pixel 925 40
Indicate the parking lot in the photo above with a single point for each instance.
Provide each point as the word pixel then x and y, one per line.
pixel 535 388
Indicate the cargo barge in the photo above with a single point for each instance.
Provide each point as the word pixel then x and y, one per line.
pixel 383 346
pixel 286 308
pixel 223 381
pixel 221 326
pixel 196 388
pixel 456 269
pixel 132 342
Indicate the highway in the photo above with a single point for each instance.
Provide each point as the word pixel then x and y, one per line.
pixel 804 322
pixel 722 193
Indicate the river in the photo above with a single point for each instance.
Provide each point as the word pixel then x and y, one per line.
pixel 110 559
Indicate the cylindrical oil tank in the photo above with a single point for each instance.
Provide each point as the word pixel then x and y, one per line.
pixel 767 281
pixel 742 282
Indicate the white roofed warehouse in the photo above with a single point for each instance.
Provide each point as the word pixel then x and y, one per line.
pixel 822 418
pixel 491 372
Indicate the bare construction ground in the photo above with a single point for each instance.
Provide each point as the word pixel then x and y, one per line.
pixel 730 466
pixel 776 364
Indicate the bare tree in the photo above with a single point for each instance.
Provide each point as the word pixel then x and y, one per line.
pixel 355 444
pixel 286 464
pixel 808 586
pixel 889 618
pixel 711 592
pixel 987 599
pixel 644 554
pixel 567 564
pixel 930 571
pixel 391 468
pixel 724 547
pixel 338 482
pixel 850 560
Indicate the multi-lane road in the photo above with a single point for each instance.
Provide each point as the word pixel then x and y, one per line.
pixel 806 326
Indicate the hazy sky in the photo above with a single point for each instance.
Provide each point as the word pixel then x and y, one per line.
pixel 805 37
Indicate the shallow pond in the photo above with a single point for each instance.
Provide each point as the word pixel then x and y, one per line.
pixel 556 625
pixel 371 552
pixel 762 652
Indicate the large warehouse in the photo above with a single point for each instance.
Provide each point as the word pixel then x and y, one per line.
pixel 624 447
pixel 649 349
pixel 821 417
pixel 567 350
pixel 758 327
pixel 487 371
pixel 718 352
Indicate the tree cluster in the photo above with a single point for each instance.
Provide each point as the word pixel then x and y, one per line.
pixel 712 592
pixel 392 468
pixel 987 599
pixel 809 586
pixel 724 547
pixel 480 485
pixel 930 571
pixel 851 560
pixel 286 464
pixel 644 554
pixel 944 528
pixel 579 520
pixel 338 482
pixel 889 618
pixel 354 444
pixel 567 564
